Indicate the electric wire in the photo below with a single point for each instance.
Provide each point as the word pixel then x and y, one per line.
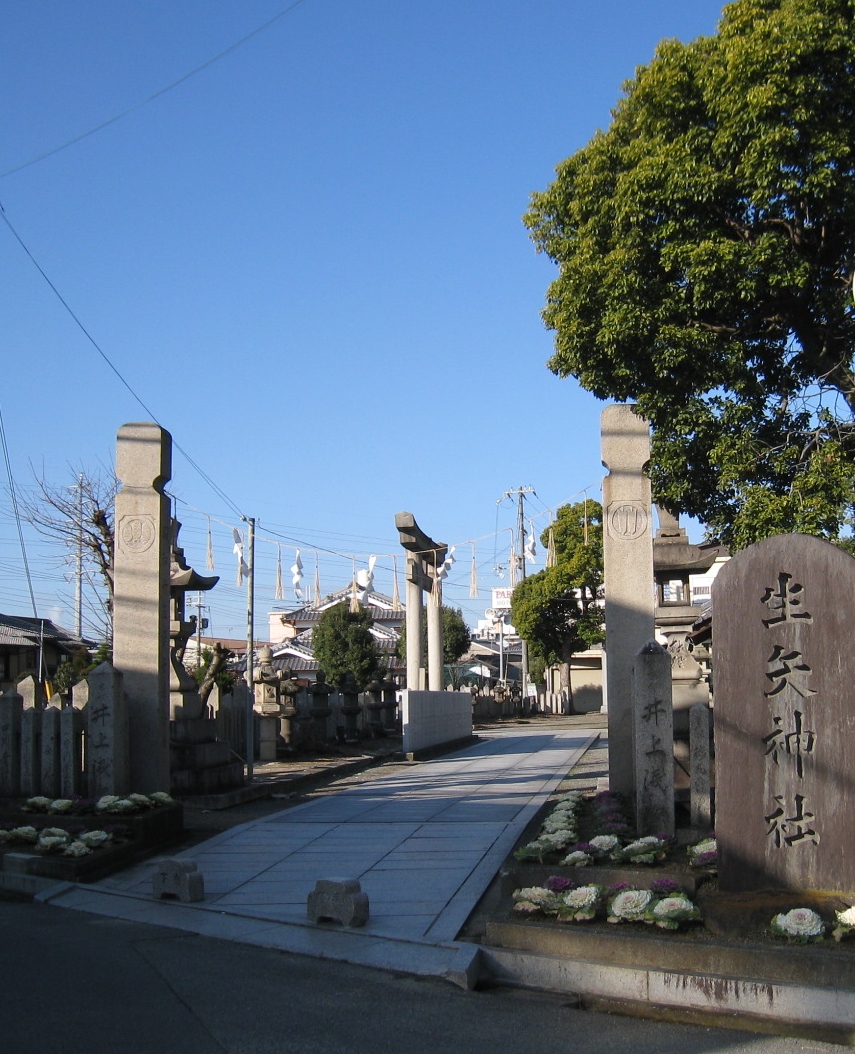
pixel 156 95
pixel 197 468
pixel 14 499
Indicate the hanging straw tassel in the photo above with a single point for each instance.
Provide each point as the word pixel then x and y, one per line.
pixel 473 576
pixel 354 595
pixel 550 549
pixel 237 549
pixel 436 588
pixel 280 592
pixel 297 575
pixel 209 557
pixel 396 596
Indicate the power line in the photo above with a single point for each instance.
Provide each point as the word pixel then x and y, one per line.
pixel 15 510
pixel 220 493
pixel 151 98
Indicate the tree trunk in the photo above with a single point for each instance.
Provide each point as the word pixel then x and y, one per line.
pixel 218 660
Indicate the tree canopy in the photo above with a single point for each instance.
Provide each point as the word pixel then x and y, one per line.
pixel 456 636
pixel 555 610
pixel 706 246
pixel 342 643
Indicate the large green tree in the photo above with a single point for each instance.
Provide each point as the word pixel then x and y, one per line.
pixel 456 636
pixel 706 246
pixel 556 610
pixel 342 643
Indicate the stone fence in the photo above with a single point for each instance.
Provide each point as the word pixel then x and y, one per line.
pixel 229 713
pixel 60 751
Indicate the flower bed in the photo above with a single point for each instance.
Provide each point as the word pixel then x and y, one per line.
pixel 78 839
pixel 566 902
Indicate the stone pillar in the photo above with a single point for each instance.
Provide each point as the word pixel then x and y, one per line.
pixel 71 723
pixel 415 657
pixel 268 736
pixel 628 560
pixel 699 751
pixel 107 728
pixel 653 728
pixel 11 707
pixel 141 602
pixel 32 693
pixel 50 752
pixel 31 770
pixel 434 639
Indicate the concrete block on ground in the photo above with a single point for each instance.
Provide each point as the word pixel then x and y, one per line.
pixel 340 899
pixel 180 879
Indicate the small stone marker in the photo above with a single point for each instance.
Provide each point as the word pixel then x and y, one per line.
pixel 180 879
pixel 653 728
pixel 699 748
pixel 784 718
pixel 340 899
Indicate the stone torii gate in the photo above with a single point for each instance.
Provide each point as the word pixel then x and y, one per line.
pixel 425 558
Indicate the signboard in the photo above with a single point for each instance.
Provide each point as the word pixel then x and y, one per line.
pixel 502 598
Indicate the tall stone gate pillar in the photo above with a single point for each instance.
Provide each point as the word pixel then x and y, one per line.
pixel 141 598
pixel 628 559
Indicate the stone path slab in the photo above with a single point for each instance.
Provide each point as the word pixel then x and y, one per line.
pixel 424 844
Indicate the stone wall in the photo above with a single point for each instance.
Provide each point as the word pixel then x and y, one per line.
pixel 431 719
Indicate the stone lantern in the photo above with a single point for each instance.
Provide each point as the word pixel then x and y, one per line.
pixel 674 560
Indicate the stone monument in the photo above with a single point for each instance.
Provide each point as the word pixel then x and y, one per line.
pixel 141 597
pixel 783 668
pixel 653 735
pixel 628 561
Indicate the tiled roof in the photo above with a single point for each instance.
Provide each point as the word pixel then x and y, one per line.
pixel 20 632
pixel 382 611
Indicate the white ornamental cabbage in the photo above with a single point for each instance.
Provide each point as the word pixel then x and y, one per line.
pixel 801 923
pixel 77 848
pixel 630 905
pixel 583 897
pixel 94 839
pixel 577 859
pixel 605 843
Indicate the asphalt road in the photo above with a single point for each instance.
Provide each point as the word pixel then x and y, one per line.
pixel 82 984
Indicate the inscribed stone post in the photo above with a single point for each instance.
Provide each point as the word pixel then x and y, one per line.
pixel 107 733
pixel 653 727
pixel 31 770
pixel 628 562
pixel 71 723
pixel 11 707
pixel 699 751
pixel 141 598
pixel 784 667
pixel 50 752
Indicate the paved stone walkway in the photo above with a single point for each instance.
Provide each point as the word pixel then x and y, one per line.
pixel 424 844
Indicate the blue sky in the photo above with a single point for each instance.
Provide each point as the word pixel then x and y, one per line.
pixel 307 261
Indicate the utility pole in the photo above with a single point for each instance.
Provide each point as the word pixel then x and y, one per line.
pixel 250 645
pixel 201 624
pixel 520 493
